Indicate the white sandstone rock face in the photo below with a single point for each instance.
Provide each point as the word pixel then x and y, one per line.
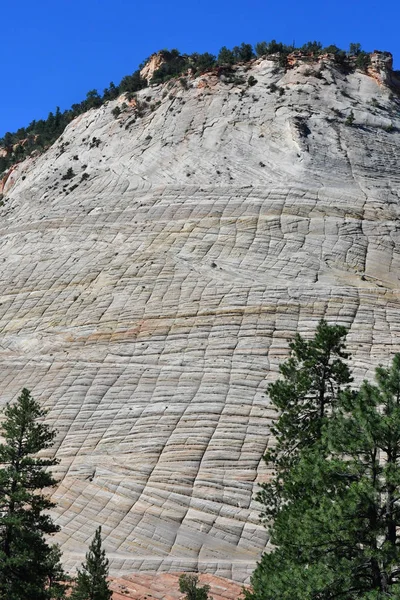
pixel 148 304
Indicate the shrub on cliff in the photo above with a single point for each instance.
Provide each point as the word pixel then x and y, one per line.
pixel 243 53
pixel 312 47
pixel 350 119
pixel 202 62
pixel 93 99
pixel 261 48
pixel 354 49
pixel 332 49
pixel 132 83
pixel 111 92
pixel 225 56
pixel 69 174
pixel 188 584
pixel 363 61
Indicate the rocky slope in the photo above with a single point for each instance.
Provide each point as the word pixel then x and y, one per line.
pixel 153 267
pixel 165 586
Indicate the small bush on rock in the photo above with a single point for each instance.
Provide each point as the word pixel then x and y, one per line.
pixel 69 174
pixel 350 119
pixel 188 584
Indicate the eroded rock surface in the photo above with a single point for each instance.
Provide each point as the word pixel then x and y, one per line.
pixel 148 296
pixel 165 586
pixel 155 61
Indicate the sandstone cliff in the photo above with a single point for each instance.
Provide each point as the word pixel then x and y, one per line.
pixel 153 268
pixel 155 61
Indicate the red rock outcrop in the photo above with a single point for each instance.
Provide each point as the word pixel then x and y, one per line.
pixel 381 69
pixel 165 586
pixel 155 61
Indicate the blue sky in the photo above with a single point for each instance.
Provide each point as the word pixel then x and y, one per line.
pixel 54 52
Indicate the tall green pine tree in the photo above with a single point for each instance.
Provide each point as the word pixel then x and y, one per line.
pixel 312 379
pixel 91 582
pixel 337 531
pixel 29 567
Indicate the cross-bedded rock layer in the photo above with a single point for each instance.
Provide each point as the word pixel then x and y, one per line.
pixel 147 296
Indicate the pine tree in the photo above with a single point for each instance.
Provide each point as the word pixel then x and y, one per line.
pixel 312 379
pixel 337 532
pixel 225 56
pixel 354 49
pixel 244 52
pixel 365 435
pixel 29 567
pixel 350 119
pixel 91 581
pixel 261 48
pixel 93 99
pixel 56 576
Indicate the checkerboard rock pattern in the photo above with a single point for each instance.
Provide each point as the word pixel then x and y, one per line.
pixel 147 297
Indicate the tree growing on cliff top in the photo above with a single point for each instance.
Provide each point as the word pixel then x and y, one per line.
pixel 29 566
pixel 225 56
pixel 243 53
pixel 354 49
pixel 336 528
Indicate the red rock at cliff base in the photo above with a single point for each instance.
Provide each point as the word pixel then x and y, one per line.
pixel 165 586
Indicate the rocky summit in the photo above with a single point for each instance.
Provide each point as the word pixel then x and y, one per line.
pixel 156 260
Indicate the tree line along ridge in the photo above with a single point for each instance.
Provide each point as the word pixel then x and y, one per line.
pixel 41 134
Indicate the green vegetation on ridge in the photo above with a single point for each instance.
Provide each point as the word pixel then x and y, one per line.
pixel 41 134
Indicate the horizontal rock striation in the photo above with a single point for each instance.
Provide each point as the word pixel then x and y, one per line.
pixel 153 267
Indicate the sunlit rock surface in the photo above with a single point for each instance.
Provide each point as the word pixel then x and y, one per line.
pixel 148 299
pixel 165 586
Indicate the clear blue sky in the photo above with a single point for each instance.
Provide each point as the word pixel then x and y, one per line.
pixel 54 52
